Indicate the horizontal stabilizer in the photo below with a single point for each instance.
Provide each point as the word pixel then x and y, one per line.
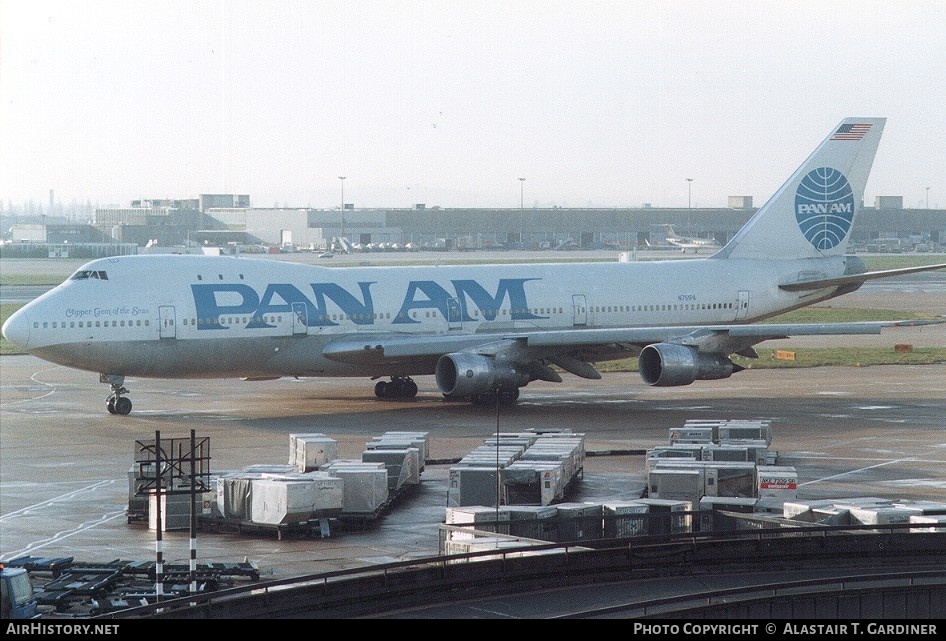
pixel 856 278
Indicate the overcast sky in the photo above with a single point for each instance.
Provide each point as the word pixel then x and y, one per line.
pixel 613 103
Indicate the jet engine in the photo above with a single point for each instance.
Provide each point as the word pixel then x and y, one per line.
pixel 462 374
pixel 667 364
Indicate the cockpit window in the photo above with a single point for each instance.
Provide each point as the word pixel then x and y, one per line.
pixel 82 274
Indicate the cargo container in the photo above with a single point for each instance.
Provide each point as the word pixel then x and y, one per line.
pixel 308 452
pixel 668 517
pixel 284 501
pixel 694 434
pixel 623 519
pixel 716 513
pixel 927 508
pixel 719 478
pixel 882 515
pixel 535 522
pixel 757 450
pixel 472 485
pixel 676 483
pixel 533 483
pixel 752 430
pixel 936 522
pixel 233 495
pixel 477 518
pixel 403 441
pixel 688 451
pixel 580 521
pixel 403 465
pixel 777 481
pixel 364 487
pixel 176 510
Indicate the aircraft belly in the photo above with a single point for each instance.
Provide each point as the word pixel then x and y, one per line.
pixel 204 358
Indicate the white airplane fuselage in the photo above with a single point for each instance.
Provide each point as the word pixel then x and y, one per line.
pixel 197 316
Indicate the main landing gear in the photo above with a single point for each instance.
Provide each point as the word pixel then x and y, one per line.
pixel 397 387
pixel 504 397
pixel 116 403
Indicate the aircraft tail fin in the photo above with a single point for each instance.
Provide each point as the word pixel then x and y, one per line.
pixel 811 215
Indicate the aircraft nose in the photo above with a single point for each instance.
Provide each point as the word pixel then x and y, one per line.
pixel 17 329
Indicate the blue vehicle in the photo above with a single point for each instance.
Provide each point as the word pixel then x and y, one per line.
pixel 16 594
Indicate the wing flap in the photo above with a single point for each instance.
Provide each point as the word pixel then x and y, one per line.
pixel 380 349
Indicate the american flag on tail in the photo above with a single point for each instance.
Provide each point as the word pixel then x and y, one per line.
pixel 851 132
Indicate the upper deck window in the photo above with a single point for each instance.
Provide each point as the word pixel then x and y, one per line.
pixel 82 274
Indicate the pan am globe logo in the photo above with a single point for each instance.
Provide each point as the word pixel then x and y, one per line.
pixel 824 207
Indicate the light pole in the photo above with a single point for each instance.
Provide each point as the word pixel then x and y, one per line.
pixel 342 178
pixel 521 185
pixel 689 205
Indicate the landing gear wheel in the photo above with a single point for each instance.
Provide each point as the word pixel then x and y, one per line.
pixel 483 399
pixel 504 397
pixel 396 388
pixel 123 405
pixel 508 397
pixel 116 403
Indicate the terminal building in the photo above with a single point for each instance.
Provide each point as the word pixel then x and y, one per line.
pixel 229 221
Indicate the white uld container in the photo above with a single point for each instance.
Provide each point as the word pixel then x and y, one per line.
pixel 364 486
pixel 403 465
pixel 313 451
pixel 746 430
pixel 536 522
pixel 881 515
pixel 329 494
pixel 624 518
pixel 668 516
pixel 534 483
pixel 677 483
pixel 936 522
pixel 686 451
pixel 580 521
pixel 692 435
pixel 175 511
pixel 422 440
pixel 777 481
pixel 233 495
pixel 472 485
pixel 279 502
pixel 476 517
pixel 926 508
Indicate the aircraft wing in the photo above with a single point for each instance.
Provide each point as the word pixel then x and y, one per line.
pixel 529 345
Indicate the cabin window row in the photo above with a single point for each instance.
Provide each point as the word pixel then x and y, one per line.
pixel 98 323
pixel 662 308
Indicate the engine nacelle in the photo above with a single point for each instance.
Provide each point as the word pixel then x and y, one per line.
pixel 463 374
pixel 666 365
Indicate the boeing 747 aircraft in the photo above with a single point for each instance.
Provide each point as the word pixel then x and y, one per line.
pixel 484 331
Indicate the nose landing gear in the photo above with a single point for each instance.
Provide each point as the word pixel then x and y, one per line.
pixel 116 403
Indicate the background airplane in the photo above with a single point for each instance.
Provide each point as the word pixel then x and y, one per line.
pixel 483 331
pixel 672 241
